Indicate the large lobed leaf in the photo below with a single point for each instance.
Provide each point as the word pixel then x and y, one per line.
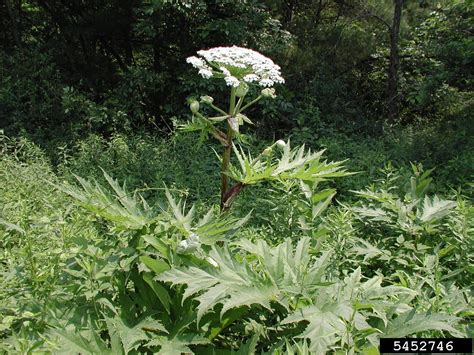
pixel 295 164
pixel 276 274
pixel 124 209
pixel 232 284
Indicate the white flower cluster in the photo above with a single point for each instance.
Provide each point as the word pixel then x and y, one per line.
pixel 204 70
pixel 237 65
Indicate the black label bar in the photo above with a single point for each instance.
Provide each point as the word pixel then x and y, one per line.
pixel 426 345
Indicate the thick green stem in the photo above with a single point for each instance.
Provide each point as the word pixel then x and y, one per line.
pixel 227 152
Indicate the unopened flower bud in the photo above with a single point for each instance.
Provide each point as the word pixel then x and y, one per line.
pixel 182 246
pixel 194 106
pixel 188 245
pixel 207 99
pixel 241 90
pixel 193 238
pixel 268 92
pixel 267 151
pixel 280 144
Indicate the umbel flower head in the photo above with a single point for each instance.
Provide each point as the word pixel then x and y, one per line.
pixel 237 65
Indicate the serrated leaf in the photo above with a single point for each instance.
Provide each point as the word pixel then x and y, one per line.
pixel 75 342
pixel 294 164
pixel 133 333
pixel 124 209
pixel 177 345
pixel 375 214
pixel 411 323
pixel 277 274
pixel 435 209
pixel 323 328
pixel 322 205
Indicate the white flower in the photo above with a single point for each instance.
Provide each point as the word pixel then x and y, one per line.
pixel 195 62
pixel 237 64
pixel 232 81
pixel 250 78
pixel 205 73
pixel 188 245
pixel 182 246
pixel 225 71
pixel 266 82
pixel 204 70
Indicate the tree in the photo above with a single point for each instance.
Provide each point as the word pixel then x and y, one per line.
pixel 393 28
pixel 392 84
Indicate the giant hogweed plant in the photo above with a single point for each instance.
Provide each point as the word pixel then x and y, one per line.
pixel 240 68
pixel 179 283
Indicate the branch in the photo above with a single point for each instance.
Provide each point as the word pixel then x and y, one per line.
pixel 377 17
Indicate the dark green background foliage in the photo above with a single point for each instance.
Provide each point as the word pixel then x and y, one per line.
pixel 96 89
pixel 70 69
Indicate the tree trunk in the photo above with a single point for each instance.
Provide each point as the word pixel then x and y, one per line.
pixel 289 12
pixel 392 87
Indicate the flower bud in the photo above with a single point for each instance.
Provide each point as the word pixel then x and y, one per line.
pixel 193 239
pixel 267 151
pixel 241 90
pixel 188 245
pixel 194 106
pixel 280 144
pixel 207 99
pixel 182 247
pixel 268 92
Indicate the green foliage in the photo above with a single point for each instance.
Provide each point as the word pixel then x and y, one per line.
pixel 95 117
pixel 37 230
pixel 30 94
pixel 340 313
pixel 281 277
pixel 114 67
pixel 142 161
pixel 131 276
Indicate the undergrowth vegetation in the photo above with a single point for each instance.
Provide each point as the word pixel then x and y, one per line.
pixel 94 268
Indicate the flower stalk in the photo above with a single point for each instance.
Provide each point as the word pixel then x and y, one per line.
pixel 227 153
